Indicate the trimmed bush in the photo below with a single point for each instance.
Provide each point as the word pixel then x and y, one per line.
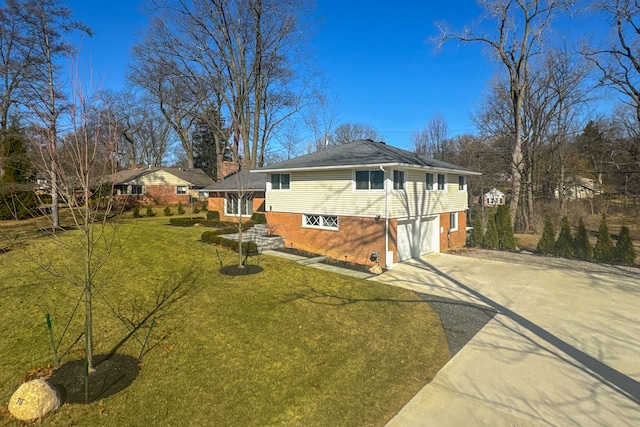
pixel 564 245
pixel 490 240
pixel 136 212
pixel 583 248
pixel 150 212
pixel 18 205
pixel 213 215
pixel 476 235
pixel 603 250
pixel 506 238
pixel 180 209
pixel 259 218
pixel 624 251
pixel 547 243
pixel 167 211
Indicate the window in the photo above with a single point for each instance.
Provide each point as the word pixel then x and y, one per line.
pixel 398 180
pixel 320 221
pixel 461 183
pixel 280 181
pixel 136 189
pixel 453 221
pixel 441 182
pixel 239 206
pixel 181 189
pixel 429 181
pixel 370 180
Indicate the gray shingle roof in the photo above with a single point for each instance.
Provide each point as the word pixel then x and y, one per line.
pixel 242 180
pixel 359 153
pixel 195 177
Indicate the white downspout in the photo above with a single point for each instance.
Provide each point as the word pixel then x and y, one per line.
pixel 386 220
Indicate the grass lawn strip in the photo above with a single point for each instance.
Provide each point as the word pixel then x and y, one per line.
pixel 289 346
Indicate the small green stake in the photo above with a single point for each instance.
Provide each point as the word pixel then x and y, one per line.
pixel 53 342
pixel 153 322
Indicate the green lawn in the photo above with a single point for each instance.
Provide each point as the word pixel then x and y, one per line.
pixel 291 345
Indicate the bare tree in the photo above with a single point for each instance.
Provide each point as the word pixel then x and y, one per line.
pixel 47 21
pixel 248 52
pixel 84 161
pixel 320 117
pixel 347 132
pixel 619 62
pixel 518 30
pixel 432 139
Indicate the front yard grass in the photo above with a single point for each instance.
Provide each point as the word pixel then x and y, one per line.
pixel 291 345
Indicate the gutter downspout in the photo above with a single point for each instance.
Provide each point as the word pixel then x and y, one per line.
pixel 386 220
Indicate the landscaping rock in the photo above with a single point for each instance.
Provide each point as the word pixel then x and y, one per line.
pixel 376 269
pixel 34 399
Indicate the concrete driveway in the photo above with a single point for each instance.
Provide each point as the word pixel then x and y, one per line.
pixel 563 350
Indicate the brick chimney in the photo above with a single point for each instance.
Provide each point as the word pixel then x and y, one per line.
pixel 227 168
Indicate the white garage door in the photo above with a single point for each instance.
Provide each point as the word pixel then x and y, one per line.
pixel 417 237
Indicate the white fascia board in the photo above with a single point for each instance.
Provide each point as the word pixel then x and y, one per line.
pixel 375 166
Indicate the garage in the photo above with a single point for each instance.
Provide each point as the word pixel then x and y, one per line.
pixel 418 236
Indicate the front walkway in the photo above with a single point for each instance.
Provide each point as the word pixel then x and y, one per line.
pixel 564 349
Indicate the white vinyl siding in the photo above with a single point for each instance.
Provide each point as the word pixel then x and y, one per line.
pixel 332 192
pixel 161 178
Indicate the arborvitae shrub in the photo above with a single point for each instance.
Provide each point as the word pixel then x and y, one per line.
pixel 213 215
pixel 604 251
pixel 583 248
pixel 564 244
pixel 490 240
pixel 624 251
pixel 136 212
pixel 180 209
pixel 476 235
pixel 205 207
pixel 547 243
pixel 19 205
pixel 150 211
pixel 506 239
pixel 167 211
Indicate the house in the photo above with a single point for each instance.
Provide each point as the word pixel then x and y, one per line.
pixel 161 185
pixel 240 193
pixel 493 197
pixel 365 201
pixel 580 188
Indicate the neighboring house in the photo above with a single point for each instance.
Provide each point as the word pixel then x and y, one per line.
pixel 367 200
pixel 580 188
pixel 161 185
pixel 493 197
pixel 240 193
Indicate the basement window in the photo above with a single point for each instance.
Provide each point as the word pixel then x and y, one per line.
pixel 328 222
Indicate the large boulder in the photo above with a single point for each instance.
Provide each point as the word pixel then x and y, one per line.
pixel 34 399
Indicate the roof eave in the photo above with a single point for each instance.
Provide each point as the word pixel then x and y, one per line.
pixel 360 166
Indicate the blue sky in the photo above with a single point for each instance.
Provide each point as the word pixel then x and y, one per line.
pixel 374 57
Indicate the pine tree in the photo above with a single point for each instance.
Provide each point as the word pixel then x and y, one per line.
pixel 624 251
pixel 581 243
pixel 490 240
pixel 604 251
pixel 506 238
pixel 476 235
pixel 546 245
pixel 564 245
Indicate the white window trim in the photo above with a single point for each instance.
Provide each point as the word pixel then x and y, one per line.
pixel 464 183
pixel 320 227
pixel 270 183
pixel 355 188
pixel 455 214
pixel 434 177
pixel 437 182
pixel 226 211
pixel 404 181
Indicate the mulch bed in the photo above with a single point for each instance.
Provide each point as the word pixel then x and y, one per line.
pixel 330 261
